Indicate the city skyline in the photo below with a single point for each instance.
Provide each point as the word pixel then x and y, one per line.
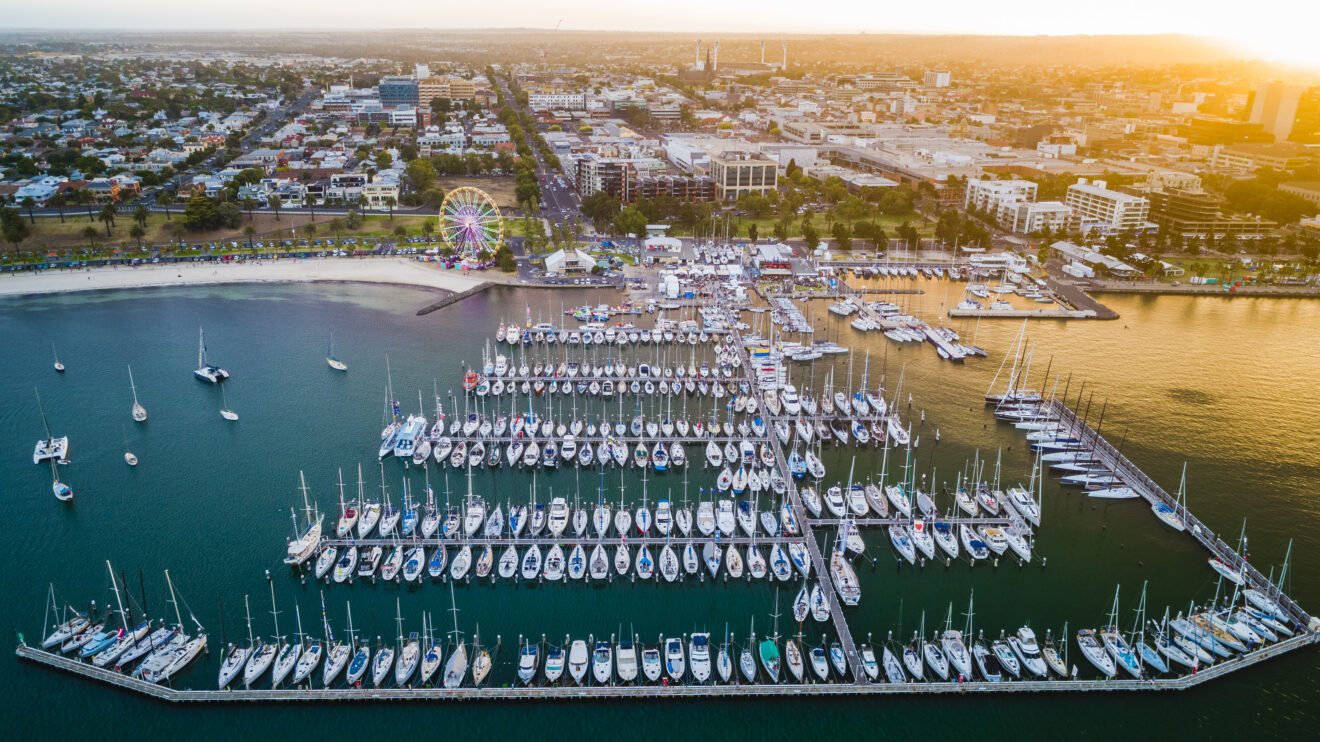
pixel 1258 35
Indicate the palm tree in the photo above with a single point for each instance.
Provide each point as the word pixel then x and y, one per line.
pixel 309 200
pixel 164 199
pixel 275 202
pixel 179 230
pixel 137 232
pixel 337 226
pixel 362 202
pixel 140 215
pixel 400 232
pixel 29 204
pixel 58 201
pixel 248 231
pixel 89 234
pixel 107 216
pixel 389 204
pixel 249 205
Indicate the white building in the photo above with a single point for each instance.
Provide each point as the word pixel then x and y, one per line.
pixel 988 194
pixel 563 262
pixel 938 78
pixel 1035 216
pixel 557 101
pixel 1106 210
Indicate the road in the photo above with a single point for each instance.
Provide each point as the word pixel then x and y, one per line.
pixel 561 201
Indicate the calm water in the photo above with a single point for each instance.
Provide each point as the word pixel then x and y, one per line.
pixel 1225 386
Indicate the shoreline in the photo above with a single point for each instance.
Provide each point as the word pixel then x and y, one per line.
pixel 386 271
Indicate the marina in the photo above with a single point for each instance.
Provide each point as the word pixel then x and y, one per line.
pixel 828 582
pixel 754 407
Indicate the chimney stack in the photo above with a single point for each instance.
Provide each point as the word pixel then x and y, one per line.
pixel 784 65
pixel 696 64
pixel 715 59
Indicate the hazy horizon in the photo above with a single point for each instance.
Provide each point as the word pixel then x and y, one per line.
pixel 1260 34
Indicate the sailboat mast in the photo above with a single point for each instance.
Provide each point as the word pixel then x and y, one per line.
pixel 174 600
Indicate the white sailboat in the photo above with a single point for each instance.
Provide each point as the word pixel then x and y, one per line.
pixel 225 412
pixel 139 412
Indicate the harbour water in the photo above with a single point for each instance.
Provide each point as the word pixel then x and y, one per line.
pixel 1227 386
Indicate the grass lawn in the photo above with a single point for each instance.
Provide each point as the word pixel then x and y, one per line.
pixel 765 226
pixel 50 234
pixel 499 188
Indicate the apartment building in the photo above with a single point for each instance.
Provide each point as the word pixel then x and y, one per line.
pixel 557 101
pixel 1097 207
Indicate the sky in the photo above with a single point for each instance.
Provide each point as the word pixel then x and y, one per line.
pixel 1281 30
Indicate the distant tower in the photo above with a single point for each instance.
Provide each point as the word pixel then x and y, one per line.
pixel 696 63
pixel 784 65
pixel 715 59
pixel 762 52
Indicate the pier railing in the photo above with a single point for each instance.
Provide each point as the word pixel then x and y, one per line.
pixel 1132 475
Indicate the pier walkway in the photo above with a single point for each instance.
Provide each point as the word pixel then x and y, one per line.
pixel 1135 478
pixel 862 686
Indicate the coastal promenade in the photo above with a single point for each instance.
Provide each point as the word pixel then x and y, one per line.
pixel 380 270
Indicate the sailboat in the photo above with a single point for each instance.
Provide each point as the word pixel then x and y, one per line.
pixel 63 492
pixel 49 447
pixel 206 371
pixel 1172 515
pixel 58 366
pixel 139 412
pixel 330 358
pixel 225 412
pixel 456 666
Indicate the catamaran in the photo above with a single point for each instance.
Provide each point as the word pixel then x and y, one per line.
pixel 206 371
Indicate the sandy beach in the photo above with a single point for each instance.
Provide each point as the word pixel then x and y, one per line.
pixel 367 270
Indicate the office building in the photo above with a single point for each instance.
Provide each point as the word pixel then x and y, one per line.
pixel 397 91
pixel 938 78
pixel 1097 207
pixel 738 172
pixel 1248 158
pixel 1194 214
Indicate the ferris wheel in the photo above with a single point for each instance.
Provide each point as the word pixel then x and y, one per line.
pixel 470 222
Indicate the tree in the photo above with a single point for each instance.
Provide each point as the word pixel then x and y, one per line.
pixel 29 204
pixel 421 175
pixel 309 200
pixel 809 235
pixel 428 227
pixel 630 221
pixel 337 226
pixel 137 232
pixel 384 159
pixel 781 231
pixel 389 204
pixel 275 203
pixel 249 205
pixel 15 229
pixel 400 233
pixel 164 199
pixel 843 236
pixel 752 232
pixel 504 259
pixel 107 216
pixel 179 230
pixel 58 201
pixel 248 231
pixel 353 219
pixel 200 214
pixel 89 233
